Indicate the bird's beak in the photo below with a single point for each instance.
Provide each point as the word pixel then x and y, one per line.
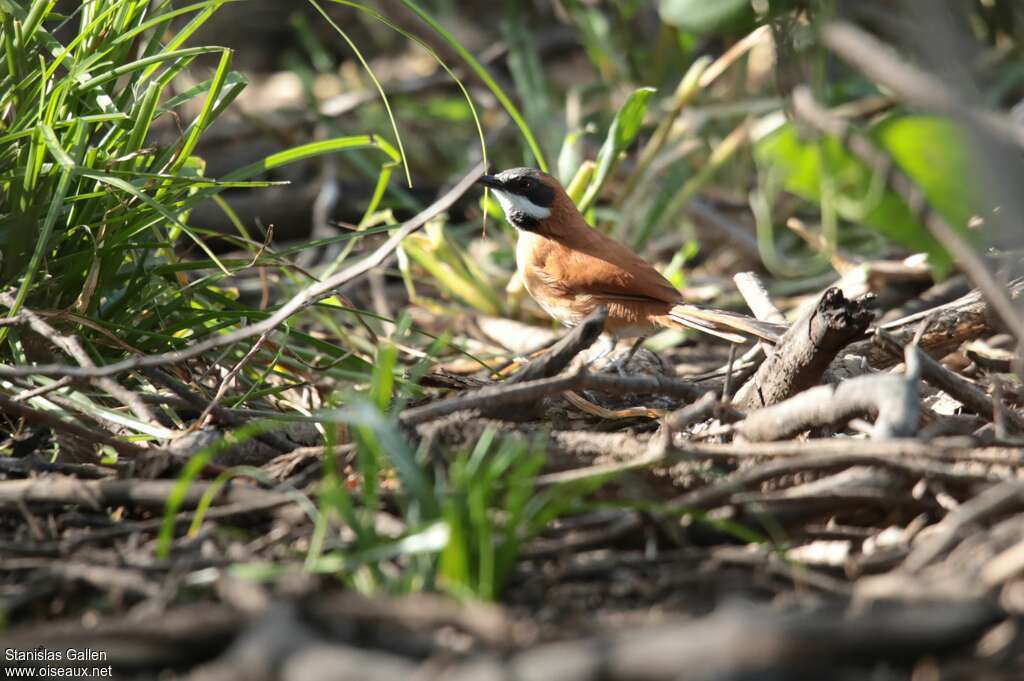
pixel 489 181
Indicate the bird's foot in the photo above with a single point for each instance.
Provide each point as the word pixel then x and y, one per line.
pixel 621 364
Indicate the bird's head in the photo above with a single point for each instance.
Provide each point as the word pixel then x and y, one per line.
pixel 531 199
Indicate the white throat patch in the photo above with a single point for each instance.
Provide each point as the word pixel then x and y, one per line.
pixel 511 203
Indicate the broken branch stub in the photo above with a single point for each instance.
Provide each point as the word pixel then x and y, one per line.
pixel 805 351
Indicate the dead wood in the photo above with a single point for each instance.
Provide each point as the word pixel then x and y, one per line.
pixel 34 464
pixel 71 346
pixel 551 363
pixel 286 642
pixel 702 409
pixel 733 643
pixel 944 292
pixel 853 487
pixel 720 493
pixel 183 635
pixel 805 351
pixel 894 400
pixel 963 319
pixel 97 494
pixel 756 295
pixel 1006 496
pixel 958 387
pixel 743 643
pixel 956 449
pixel 565 350
pixel 520 393
pixel 277 443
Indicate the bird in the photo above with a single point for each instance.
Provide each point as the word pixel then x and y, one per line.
pixel 570 269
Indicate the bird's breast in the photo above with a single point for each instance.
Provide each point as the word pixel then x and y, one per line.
pixel 534 253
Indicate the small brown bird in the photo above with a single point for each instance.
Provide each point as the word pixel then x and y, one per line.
pixel 570 269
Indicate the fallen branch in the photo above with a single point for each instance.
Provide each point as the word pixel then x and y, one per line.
pixel 805 351
pixel 72 347
pixel 565 350
pixel 1001 498
pixel 50 420
pixel 551 363
pixel 737 643
pixel 963 319
pixel 958 387
pixel 719 493
pixel 850 487
pixel 202 405
pixel 519 393
pixel 756 296
pixel 695 412
pixel 97 494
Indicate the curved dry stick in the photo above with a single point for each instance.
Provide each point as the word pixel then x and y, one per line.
pixel 894 398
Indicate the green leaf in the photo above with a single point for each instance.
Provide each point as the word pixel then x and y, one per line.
pixel 302 152
pixel 155 205
pixel 206 113
pixel 933 152
pixel 623 130
pixel 716 17
pixel 153 62
pixel 704 16
pixel 930 150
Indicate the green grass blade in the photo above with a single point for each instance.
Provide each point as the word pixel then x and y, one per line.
pixel 436 57
pixel 205 114
pixel 164 17
pixel 376 84
pixel 152 61
pixel 52 214
pixel 129 188
pixel 479 69
pixel 621 133
pixel 302 152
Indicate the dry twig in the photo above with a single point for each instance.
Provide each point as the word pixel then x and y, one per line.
pixel 519 393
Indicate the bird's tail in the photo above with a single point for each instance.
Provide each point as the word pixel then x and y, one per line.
pixel 732 326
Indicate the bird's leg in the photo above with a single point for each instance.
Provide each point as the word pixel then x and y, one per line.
pixel 609 344
pixel 623 362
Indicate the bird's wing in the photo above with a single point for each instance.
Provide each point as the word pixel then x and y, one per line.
pixel 608 272
pixel 599 266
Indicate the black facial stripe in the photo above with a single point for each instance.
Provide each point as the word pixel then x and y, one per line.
pixel 540 194
pixel 527 182
pixel 521 220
